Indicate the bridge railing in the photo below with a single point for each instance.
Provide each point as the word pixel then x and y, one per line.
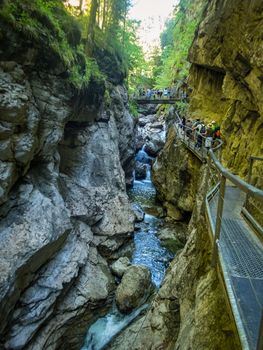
pixel 179 94
pixel 218 176
pixel 196 141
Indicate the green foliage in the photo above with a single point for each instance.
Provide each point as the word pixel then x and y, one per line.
pixel 107 98
pixel 182 107
pixel 48 22
pixel 176 41
pixel 134 58
pixel 133 108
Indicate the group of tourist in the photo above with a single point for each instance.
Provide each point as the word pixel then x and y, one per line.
pixel 209 133
pixel 155 94
pixel 160 93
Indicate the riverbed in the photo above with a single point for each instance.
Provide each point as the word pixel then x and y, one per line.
pixel 148 252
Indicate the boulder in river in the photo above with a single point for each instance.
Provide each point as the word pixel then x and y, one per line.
pixel 138 212
pixel 154 145
pixel 140 171
pixel 143 120
pixel 173 237
pixel 120 266
pixel 134 288
pixel 157 125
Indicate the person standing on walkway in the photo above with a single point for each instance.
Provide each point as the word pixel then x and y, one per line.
pixel 209 137
pixel 200 130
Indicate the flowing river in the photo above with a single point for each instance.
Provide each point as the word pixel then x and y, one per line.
pixel 148 252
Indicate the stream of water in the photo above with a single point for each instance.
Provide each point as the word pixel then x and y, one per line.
pixel 148 252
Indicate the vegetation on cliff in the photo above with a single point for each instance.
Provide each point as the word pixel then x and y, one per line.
pixel 91 40
pixel 176 40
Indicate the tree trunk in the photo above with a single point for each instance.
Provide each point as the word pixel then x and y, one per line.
pixel 124 22
pixel 81 6
pixel 98 13
pixel 91 26
pixel 104 15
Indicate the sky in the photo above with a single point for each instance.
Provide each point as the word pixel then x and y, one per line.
pixel 152 14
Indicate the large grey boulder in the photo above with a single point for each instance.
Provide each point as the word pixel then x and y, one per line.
pixel 173 237
pixel 120 266
pixel 143 120
pixel 133 289
pixel 140 171
pixel 155 144
pixel 138 212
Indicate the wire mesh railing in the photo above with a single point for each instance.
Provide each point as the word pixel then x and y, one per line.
pixel 253 208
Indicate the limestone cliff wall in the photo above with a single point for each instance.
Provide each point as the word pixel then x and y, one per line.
pixel 226 76
pixel 64 209
pixel 176 174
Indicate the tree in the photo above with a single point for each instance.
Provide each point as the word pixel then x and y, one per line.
pixel 91 26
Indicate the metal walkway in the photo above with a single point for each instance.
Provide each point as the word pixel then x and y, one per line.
pixel 237 249
pixel 241 258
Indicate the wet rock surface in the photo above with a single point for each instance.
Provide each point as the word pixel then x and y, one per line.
pixel 150 131
pixel 176 175
pixel 140 170
pixel 138 212
pixel 154 144
pixel 134 288
pixel 173 237
pixel 120 266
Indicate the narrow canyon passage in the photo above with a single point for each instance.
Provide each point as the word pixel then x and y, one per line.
pixel 131 175
pixel 148 251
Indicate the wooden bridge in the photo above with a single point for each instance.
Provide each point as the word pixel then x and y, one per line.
pixel 237 249
pixel 163 101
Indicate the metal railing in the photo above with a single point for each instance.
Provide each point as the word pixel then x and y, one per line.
pixel 253 210
pixel 178 95
pixel 209 155
pixel 196 141
pixel 218 176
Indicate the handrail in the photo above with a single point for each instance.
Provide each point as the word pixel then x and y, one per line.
pixel 243 185
pixel 256 158
pixel 196 133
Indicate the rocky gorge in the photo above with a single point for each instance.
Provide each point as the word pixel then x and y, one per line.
pixel 67 226
pixel 190 310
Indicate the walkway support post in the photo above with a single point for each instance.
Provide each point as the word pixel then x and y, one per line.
pixel 260 335
pixel 203 148
pixel 250 167
pixel 220 208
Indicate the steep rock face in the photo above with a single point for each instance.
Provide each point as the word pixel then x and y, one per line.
pixel 175 175
pixel 226 76
pixel 126 127
pixel 205 322
pixel 64 206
